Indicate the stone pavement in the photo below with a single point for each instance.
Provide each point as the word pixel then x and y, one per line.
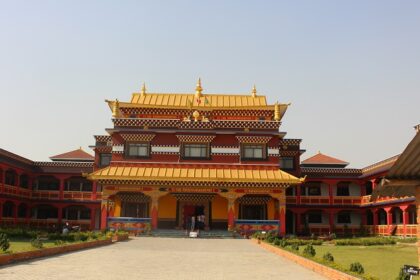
pixel 163 258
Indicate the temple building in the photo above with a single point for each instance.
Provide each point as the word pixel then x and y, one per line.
pixel 219 158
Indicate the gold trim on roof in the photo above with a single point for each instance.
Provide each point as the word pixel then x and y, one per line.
pixel 194 174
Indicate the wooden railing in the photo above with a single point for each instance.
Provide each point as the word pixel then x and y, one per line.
pixel 347 200
pixel 72 195
pixel 318 200
pixel 15 191
pixel 45 194
pixel 130 224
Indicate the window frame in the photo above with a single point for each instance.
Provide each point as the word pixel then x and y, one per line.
pixel 344 187
pixel 100 159
pixel 264 152
pixel 207 146
pixel 288 158
pixel 127 149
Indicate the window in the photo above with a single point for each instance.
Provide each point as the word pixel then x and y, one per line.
pixel 47 183
pixel 252 212
pixel 104 159
pixel 315 218
pixel 253 152
pixel 314 190
pixel 287 163
pixel 137 149
pixel 24 181
pixel 10 178
pixel 343 218
pixel 78 185
pixel 343 189
pixel 196 151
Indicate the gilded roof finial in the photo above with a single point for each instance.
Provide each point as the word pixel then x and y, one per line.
pixel 277 112
pixel 116 109
pixel 254 91
pixel 198 89
pixel 143 89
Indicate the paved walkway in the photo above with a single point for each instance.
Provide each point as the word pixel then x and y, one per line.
pixel 163 258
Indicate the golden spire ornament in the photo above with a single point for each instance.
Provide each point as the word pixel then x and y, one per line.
pixel 254 91
pixel 116 109
pixel 198 89
pixel 143 89
pixel 277 112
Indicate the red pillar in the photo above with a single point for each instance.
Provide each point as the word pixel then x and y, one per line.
pixel 94 191
pixel 92 218
pixel 373 181
pixel 331 219
pixel 282 216
pixel 405 218
pixel 155 211
pixel 388 211
pixel 60 215
pixel 298 221
pixel 104 215
pixel 15 212
pixel 330 193
pixel 298 194
pixel 61 194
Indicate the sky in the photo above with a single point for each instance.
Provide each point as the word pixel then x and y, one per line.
pixel 351 69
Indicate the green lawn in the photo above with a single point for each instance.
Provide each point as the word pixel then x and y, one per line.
pixel 382 262
pixel 22 245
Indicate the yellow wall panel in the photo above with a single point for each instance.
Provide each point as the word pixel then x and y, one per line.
pixel 167 207
pixel 219 208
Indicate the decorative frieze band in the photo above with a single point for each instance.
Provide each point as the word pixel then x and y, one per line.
pixel 254 139
pixel 195 138
pixel 274 152
pixel 138 137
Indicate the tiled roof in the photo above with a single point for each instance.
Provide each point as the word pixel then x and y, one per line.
pixel 378 167
pixel 323 160
pixel 194 174
pixel 76 155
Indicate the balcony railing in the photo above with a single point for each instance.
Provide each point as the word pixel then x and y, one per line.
pixel 318 200
pixel 73 195
pixel 325 200
pixel 45 194
pixel 15 191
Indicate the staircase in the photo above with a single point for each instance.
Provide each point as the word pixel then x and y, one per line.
pixel 174 233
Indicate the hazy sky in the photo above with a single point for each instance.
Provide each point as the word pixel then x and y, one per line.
pixel 351 69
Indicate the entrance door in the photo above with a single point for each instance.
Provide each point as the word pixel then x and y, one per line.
pixel 188 212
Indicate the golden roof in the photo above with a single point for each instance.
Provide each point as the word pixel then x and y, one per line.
pixel 194 174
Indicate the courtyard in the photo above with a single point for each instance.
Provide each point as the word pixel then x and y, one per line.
pixel 163 258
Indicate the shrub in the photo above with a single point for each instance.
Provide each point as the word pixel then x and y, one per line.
pixel 303 242
pixel 58 242
pixel 309 251
pixel 403 275
pixel 270 239
pixel 283 243
pixel 407 240
pixel 333 236
pixel 4 242
pixel 357 267
pixel 328 257
pixel 368 241
pixel 277 242
pixel 295 247
pixel 37 243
